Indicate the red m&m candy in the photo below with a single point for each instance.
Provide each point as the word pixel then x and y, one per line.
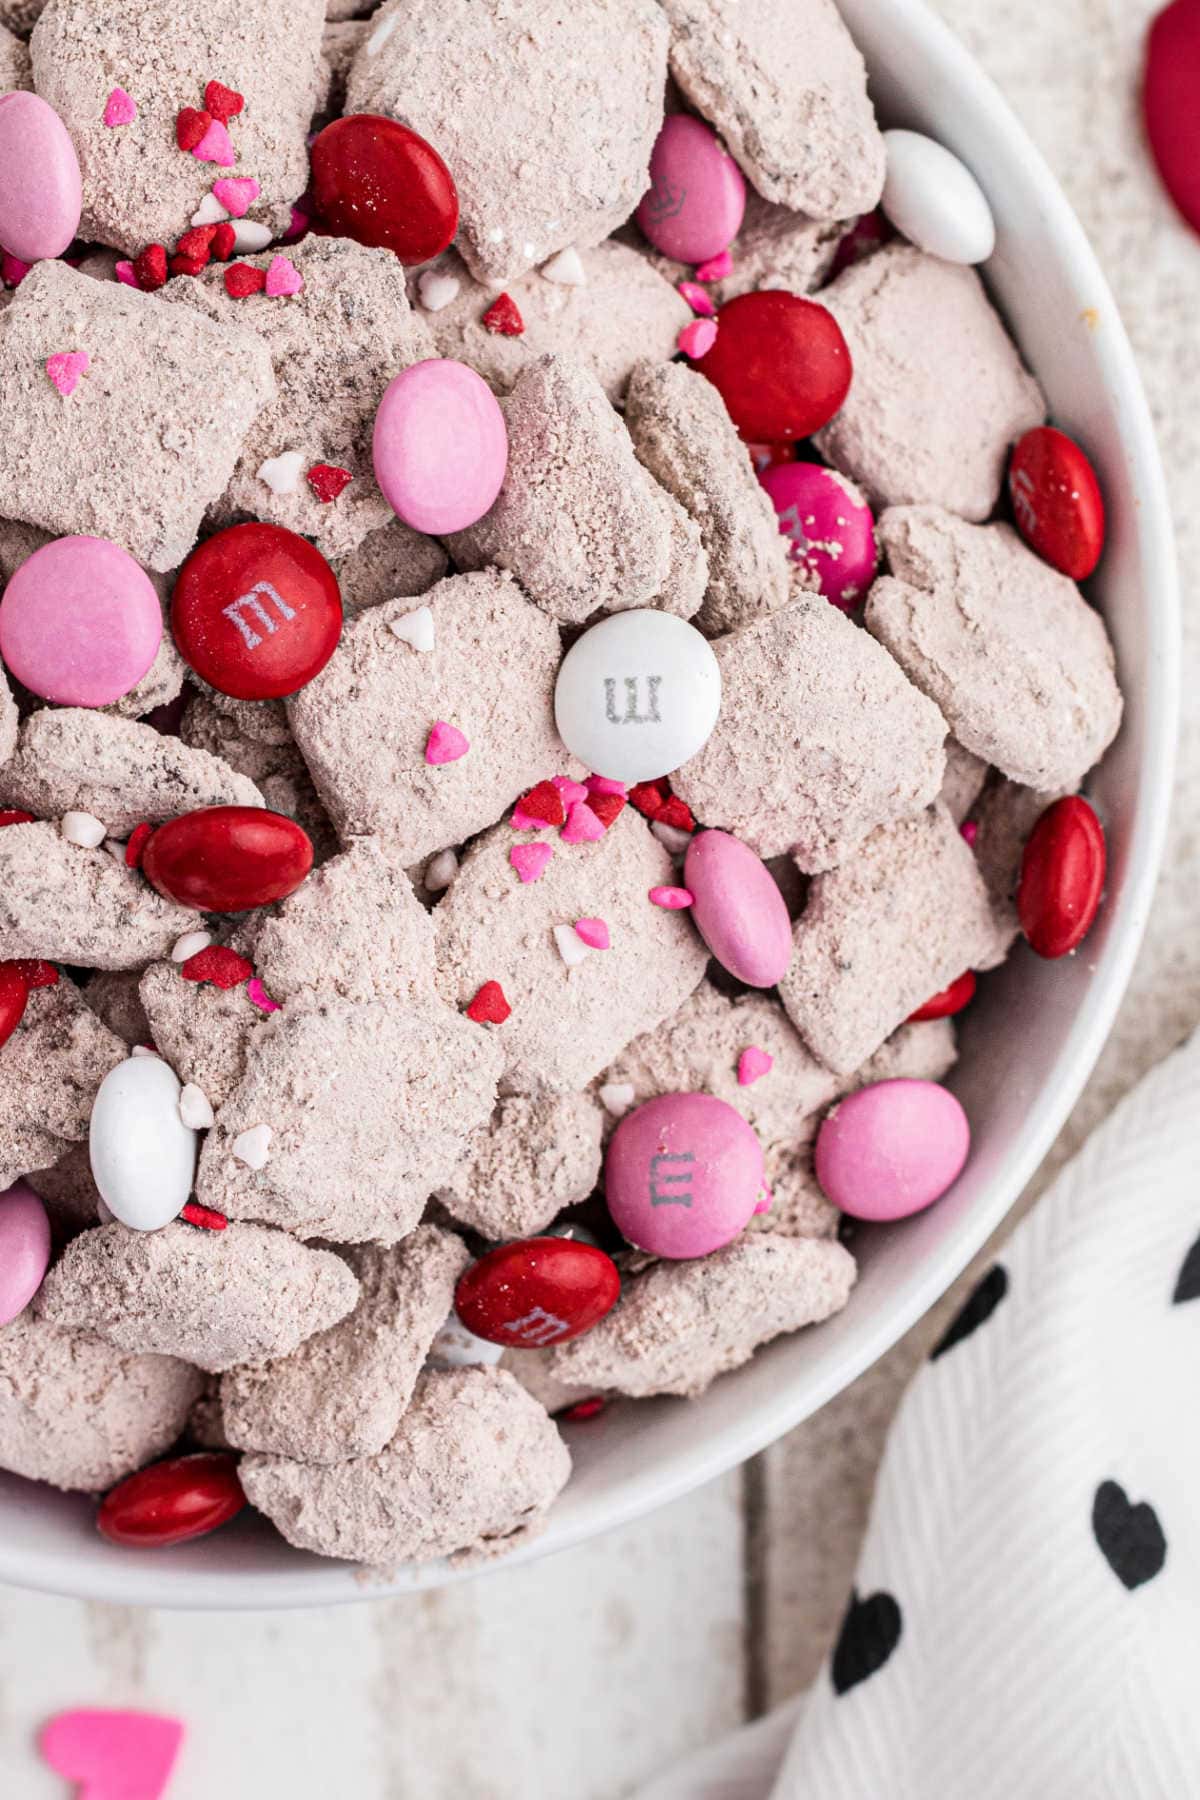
pixel 537 1291
pixel 169 1502
pixel 780 364
pixel 1062 877
pixel 257 611
pixel 379 183
pixel 1171 102
pixel 14 992
pixel 949 1001
pixel 1057 501
pixel 227 858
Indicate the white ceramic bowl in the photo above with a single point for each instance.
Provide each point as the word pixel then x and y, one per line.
pixel 1028 1046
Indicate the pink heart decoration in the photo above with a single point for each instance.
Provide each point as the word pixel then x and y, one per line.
pixel 582 826
pixel 65 368
pixel 112 1755
pixel 752 1064
pixel 283 277
pixel 126 272
pixel 12 270
pixel 236 193
pixel 119 108
pixel 216 146
pixel 529 860
pixel 445 743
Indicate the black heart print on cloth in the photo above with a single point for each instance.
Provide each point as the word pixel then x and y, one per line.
pixel 870 1632
pixel 975 1311
pixel 1129 1535
pixel 1187 1287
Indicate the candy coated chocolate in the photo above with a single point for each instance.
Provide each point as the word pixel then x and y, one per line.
pixel 829 527
pixel 170 1502
pixel 780 363
pixel 892 1149
pixel 693 207
pixel 637 695
pixel 737 908
pixel 683 1175
pixel 24 1248
pixel 40 186
pixel 537 1291
pixel 227 858
pixel 1062 877
pixel 933 200
pixel 950 1000
pixel 440 446
pixel 80 622
pixel 1057 502
pixel 1171 103
pixel 14 992
pixel 379 183
pixel 257 611
pixel 142 1154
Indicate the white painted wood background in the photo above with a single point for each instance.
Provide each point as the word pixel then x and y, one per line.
pixel 578 1677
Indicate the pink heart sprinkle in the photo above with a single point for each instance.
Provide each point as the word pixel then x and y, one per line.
pixel 283 277
pixel 523 821
pixel 697 299
pixel 65 367
pixel 119 109
pixel 970 831
pixel 594 933
pixel 698 338
pixel 582 826
pixel 766 1200
pixel 258 996
pixel 529 860
pixel 753 1063
pixel 604 784
pixel 571 791
pixel 126 272
pixel 12 270
pixel 716 268
pixel 216 146
pixel 236 193
pixel 673 898
pixel 298 225
pixel 445 743
pixel 112 1755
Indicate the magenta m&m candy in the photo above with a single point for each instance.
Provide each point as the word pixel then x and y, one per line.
pixel 891 1149
pixel 40 186
pixel 537 1291
pixel 683 1175
pixel 829 527
pixel 80 622
pixel 24 1248
pixel 737 908
pixel 693 207
pixel 440 446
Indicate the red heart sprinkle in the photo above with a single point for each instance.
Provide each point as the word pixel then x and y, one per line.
pixel 224 238
pixel 15 815
pixel 242 279
pixel 150 267
pixel 218 964
pixel 206 1217
pixel 649 797
pixel 136 844
pixel 582 1409
pixel 190 126
pixel 503 316
pixel 222 102
pixel 327 482
pixel 188 265
pixel 675 812
pixel 38 973
pixel 544 802
pixel 489 1007
pixel 196 242
pixel 606 807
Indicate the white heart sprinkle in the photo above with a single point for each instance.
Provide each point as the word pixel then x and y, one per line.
pixel 437 289
pixel 671 838
pixel 249 234
pixel 84 829
pixel 440 871
pixel 616 1097
pixel 415 628
pixel 253 1147
pixel 190 944
pixel 566 268
pixel 282 473
pixel 195 1108
pixel 209 212
pixel 571 946
pixel 380 35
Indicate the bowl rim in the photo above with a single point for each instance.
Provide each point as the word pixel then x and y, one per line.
pixel 135 1579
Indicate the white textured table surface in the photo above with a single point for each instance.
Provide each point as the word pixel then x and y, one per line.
pixel 581 1675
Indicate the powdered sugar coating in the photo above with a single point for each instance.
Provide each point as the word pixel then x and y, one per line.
pixel 218 1297
pixel 369 1107
pixel 15 70
pixel 863 746
pixel 75 759
pixel 343 1392
pixel 20 16
pixel 883 933
pixel 939 392
pixel 1006 815
pixel 79 1414
pixel 68 1192
pixel 789 99
pixel 545 115
pixel 363 723
pixel 138 188
pixel 567 1024
pixel 926 1051
pixel 684 436
pixel 578 520
pixel 202 1030
pixel 272 763
pixel 963 781
pixel 535 1156
pixel 679 1325
pixel 474 1466
pixel 80 906
pixel 170 397
pixel 113 995
pixel 52 1066
pixel 393 562
pixel 1019 663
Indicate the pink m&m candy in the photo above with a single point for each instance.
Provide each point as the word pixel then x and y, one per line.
pixel 80 622
pixel 830 525
pixel 892 1149
pixel 697 194
pixel 683 1175
pixel 24 1248
pixel 440 446
pixel 737 908
pixel 40 186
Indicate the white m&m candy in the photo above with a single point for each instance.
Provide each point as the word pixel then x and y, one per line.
pixel 637 695
pixel 143 1156
pixel 935 201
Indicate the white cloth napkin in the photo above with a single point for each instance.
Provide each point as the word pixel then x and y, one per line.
pixel 1025 1623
